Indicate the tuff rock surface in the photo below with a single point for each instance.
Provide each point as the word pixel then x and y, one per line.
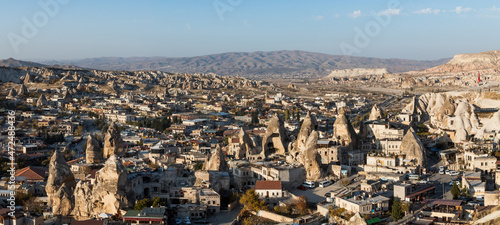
pixel 113 143
pixel 216 162
pixel 60 185
pixel 93 151
pixel 275 133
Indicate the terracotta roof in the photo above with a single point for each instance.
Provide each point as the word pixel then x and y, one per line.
pixel 267 184
pixel 31 173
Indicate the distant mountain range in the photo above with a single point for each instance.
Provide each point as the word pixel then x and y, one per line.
pixel 258 65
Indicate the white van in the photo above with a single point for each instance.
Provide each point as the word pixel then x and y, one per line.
pixel 413 177
pixel 325 183
pixel 309 184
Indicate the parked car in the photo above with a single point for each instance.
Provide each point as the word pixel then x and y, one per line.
pixel 447 172
pixel 463 198
pixel 441 172
pixel 328 194
pixel 325 183
pixel 309 184
pixel 454 173
pixel 473 203
pixel 301 187
pixel 455 181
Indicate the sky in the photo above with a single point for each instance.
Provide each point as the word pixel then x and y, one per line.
pixel 70 29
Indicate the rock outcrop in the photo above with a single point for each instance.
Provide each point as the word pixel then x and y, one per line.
pixel 376 113
pixel 113 143
pixel 274 139
pixel 9 74
pixel 112 190
pixel 246 145
pixel 12 93
pixel 448 112
pixel 469 62
pixel 356 72
pixel 344 132
pixel 60 185
pixel 42 101
pixel 412 147
pixel 216 162
pixel 312 160
pixel 93 151
pixel 298 150
pixel 22 90
pixel 83 201
pixel 357 219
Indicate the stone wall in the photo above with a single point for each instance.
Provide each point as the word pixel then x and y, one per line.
pixel 273 216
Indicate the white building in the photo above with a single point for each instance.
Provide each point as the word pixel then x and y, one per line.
pixel 269 189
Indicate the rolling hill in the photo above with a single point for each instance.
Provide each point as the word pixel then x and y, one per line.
pixel 258 65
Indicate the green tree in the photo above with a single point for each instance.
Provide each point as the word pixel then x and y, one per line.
pixel 141 204
pixel 287 114
pixel 455 191
pixel 79 131
pixel 396 212
pixel 337 212
pixel 255 117
pixel 466 191
pixel 156 202
pixel 251 201
pixel 198 166
pixel 406 206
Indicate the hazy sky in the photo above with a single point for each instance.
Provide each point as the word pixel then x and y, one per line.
pixel 70 29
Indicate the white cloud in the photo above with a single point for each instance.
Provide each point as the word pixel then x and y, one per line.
pixel 460 9
pixel 494 8
pixel 318 17
pixel 188 26
pixel 427 11
pixel 355 14
pixel 336 15
pixel 391 12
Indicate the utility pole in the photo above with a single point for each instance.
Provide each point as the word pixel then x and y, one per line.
pixel 444 193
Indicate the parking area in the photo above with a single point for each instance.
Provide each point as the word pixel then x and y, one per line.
pixel 317 194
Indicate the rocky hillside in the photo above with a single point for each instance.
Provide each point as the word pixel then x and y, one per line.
pixel 489 60
pixel 10 62
pixel 356 72
pixel 275 64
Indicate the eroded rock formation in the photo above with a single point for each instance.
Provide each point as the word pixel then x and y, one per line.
pixel 344 132
pixel 275 137
pixel 312 160
pixel 42 101
pixel 216 162
pixel 60 185
pixel 112 190
pixel 93 151
pixel 376 113
pixel 299 146
pixel 246 145
pixel 113 143
pixel 412 147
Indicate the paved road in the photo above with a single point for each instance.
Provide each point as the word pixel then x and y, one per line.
pixel 224 217
pixel 317 194
pixel 442 181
